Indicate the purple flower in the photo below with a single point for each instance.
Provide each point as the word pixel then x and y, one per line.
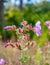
pixel 2 61
pixel 13 27
pixel 7 27
pixel 37 28
pixel 49 27
pixel 47 23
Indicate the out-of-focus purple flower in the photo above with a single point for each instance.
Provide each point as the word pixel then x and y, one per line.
pixel 49 27
pixel 37 28
pixel 47 23
pixel 2 61
pixel 8 28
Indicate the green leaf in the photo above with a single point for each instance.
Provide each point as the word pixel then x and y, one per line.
pixel 21 58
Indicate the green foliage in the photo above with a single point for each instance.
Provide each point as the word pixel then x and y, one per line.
pixel 23 58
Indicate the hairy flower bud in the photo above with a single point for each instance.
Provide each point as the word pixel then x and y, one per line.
pixel 20 30
pixel 29 27
pixel 25 37
pixel 18 44
pixel 12 45
pixel 7 43
pixel 24 23
pixel 30 43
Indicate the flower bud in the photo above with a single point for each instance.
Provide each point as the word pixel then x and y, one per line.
pixel 18 44
pixel 25 37
pixel 24 23
pixel 20 30
pixel 7 43
pixel 29 27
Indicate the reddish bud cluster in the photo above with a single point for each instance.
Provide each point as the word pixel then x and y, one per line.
pixel 30 43
pixel 18 44
pixel 22 35
pixel 8 43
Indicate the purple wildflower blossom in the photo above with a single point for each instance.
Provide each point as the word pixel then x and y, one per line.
pixel 13 27
pixel 47 23
pixel 2 61
pixel 37 28
pixel 7 27
pixel 49 27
